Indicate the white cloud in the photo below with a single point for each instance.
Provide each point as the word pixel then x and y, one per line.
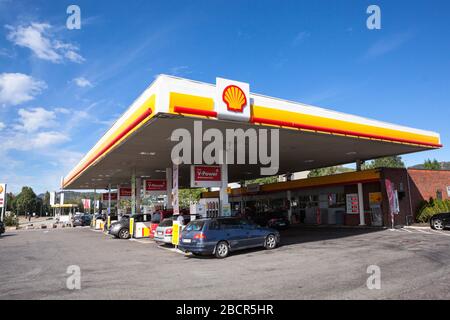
pixel 27 141
pixel 16 88
pixel 387 44
pixel 300 37
pixel 62 110
pixel 48 138
pixel 37 38
pixel 180 71
pixel 2 126
pixel 74 57
pixel 82 82
pixel 32 120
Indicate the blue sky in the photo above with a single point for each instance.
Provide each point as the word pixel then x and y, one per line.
pixel 61 89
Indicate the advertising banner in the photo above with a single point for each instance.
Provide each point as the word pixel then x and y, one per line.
pixel 175 203
pixel 205 176
pixel 155 186
pixel 375 197
pixel 86 203
pixel 125 193
pixel 393 208
pixel 113 196
pixel 2 195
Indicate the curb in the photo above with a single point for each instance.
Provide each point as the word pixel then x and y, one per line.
pixel 417 227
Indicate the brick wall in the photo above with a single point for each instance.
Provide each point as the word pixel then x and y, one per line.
pixel 399 179
pixel 426 183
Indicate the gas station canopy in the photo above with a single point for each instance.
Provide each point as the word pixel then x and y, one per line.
pixel 310 137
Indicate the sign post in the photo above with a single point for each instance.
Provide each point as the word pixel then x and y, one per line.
pixel 3 200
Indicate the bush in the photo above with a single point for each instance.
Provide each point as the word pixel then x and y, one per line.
pixel 429 208
pixel 11 221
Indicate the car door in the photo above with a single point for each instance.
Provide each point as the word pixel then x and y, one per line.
pixel 446 219
pixel 232 232
pixel 257 235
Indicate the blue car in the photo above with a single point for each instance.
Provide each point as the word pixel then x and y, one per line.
pixel 220 236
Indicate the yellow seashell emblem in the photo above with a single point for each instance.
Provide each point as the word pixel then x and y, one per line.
pixel 234 98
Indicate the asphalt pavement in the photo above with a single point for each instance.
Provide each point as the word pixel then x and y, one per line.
pixel 312 263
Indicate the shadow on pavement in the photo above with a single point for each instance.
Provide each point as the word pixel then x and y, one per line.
pixel 304 234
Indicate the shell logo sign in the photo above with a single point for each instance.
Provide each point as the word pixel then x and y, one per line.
pixel 1 189
pixel 232 100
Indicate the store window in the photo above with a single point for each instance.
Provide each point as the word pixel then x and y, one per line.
pixel 439 194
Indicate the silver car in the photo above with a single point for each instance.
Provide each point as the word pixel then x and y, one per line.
pixel 163 232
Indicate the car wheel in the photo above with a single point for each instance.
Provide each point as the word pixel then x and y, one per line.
pixel 124 234
pixel 270 242
pixel 222 250
pixel 437 224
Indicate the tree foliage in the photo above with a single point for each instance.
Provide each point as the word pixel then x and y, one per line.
pixel 386 162
pixel 320 172
pixel 431 164
pixel 26 202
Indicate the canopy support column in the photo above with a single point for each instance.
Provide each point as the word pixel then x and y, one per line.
pixel 223 198
pixel 169 178
pixel 362 221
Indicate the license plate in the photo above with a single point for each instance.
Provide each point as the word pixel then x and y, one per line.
pixel 187 240
pixel 282 224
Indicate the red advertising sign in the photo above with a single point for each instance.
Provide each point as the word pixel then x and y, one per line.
pixel 207 173
pixel 113 196
pixel 125 192
pixel 155 185
pixel 86 203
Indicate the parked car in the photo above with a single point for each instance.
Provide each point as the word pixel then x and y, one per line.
pixel 277 220
pixel 121 229
pixel 81 220
pixel 163 232
pixel 2 227
pixel 440 221
pixel 220 236
pixel 157 217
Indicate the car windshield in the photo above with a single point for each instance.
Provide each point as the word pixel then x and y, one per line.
pixel 166 223
pixel 195 226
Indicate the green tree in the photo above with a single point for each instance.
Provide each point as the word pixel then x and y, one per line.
pixel 26 201
pixel 264 180
pixel 46 204
pixel 186 196
pixel 320 172
pixel 431 164
pixel 10 202
pixel 386 162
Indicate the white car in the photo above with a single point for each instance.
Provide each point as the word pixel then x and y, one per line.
pixel 163 232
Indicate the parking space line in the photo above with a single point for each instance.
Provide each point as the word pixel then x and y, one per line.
pixel 148 241
pixel 441 233
pixel 423 231
pixel 175 250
